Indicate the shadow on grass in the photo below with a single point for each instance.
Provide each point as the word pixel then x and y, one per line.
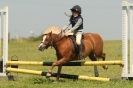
pixel 46 80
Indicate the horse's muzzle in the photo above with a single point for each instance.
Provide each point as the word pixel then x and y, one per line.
pixel 41 47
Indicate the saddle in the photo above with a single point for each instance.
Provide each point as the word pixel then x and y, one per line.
pixel 76 47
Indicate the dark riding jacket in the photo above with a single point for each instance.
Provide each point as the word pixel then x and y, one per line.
pixel 76 22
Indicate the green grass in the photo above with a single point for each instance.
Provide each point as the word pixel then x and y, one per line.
pixel 27 50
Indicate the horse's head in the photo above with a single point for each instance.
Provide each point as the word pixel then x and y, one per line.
pixel 48 37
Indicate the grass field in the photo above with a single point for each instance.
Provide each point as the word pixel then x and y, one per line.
pixel 27 50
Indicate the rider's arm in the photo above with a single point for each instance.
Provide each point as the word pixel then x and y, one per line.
pixel 66 27
pixel 77 25
pixel 68 15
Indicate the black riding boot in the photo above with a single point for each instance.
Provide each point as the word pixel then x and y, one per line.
pixel 80 52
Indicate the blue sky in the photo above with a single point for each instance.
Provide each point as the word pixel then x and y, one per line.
pixel 100 16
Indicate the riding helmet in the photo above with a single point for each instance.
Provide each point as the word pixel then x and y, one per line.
pixel 76 8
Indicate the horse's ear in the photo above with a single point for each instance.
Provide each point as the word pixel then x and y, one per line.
pixel 61 32
pixel 50 33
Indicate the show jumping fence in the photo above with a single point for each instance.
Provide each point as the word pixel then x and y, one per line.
pixel 127 51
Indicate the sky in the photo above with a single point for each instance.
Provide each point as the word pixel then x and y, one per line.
pixel 28 17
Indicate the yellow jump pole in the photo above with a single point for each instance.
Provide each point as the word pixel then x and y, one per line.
pixel 26 71
pixel 74 63
pixel 41 73
pixel 91 63
pixel 93 78
pixel 24 63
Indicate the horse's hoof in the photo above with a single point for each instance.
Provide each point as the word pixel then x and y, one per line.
pixel 96 75
pixel 48 75
pixel 105 67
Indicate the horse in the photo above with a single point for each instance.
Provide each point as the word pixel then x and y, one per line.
pixel 92 47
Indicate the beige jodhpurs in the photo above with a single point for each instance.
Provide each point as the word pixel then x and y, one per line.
pixel 78 37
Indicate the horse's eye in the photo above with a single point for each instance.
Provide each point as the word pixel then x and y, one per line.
pixel 48 36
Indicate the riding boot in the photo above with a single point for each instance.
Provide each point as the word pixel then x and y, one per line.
pixel 80 52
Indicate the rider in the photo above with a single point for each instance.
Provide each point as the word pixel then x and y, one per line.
pixel 76 23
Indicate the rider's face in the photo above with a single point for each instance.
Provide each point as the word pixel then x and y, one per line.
pixel 75 14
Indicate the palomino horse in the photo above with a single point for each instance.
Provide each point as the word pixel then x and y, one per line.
pixel 92 47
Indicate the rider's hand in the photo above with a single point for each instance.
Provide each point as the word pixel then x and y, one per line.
pixel 65 27
pixel 69 32
pixel 68 15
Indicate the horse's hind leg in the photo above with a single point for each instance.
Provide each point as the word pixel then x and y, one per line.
pixel 96 71
pixel 93 58
pixel 103 57
pixel 58 72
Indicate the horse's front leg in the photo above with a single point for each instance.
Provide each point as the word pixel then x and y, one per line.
pixel 57 63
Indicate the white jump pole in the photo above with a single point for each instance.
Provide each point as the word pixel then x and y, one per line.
pixel 131 38
pixel 124 38
pixel 127 39
pixel 4 29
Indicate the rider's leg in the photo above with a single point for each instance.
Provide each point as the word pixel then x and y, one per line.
pixel 78 41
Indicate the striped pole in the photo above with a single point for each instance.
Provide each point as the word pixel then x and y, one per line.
pixel 74 63
pixel 68 76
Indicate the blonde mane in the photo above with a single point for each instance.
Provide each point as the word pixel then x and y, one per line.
pixel 54 29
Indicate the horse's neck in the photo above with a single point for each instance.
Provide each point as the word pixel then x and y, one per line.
pixel 59 40
pixel 56 39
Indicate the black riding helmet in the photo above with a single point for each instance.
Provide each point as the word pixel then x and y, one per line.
pixel 76 8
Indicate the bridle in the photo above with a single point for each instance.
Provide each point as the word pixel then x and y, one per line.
pixel 51 39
